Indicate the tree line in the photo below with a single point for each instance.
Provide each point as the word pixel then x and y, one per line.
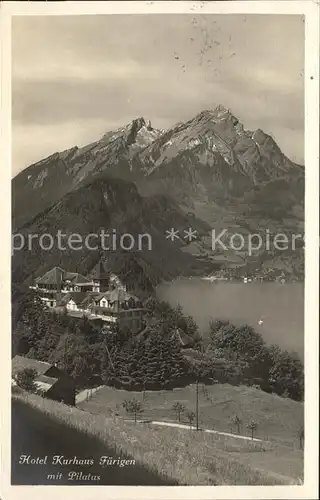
pixel 155 359
pixel 267 367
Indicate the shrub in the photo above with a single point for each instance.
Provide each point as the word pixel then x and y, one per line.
pixel 236 420
pixel 133 406
pixel 190 416
pixel 25 379
pixel 300 435
pixel 178 408
pixel 252 426
pixel 286 374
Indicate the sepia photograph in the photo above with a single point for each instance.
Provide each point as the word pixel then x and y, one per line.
pixel 158 294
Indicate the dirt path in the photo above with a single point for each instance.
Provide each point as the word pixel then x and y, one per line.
pixel 192 427
pixel 86 394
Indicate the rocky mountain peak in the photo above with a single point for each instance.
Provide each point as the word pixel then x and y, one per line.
pixel 212 150
pixel 138 123
pixel 259 136
pixel 220 110
pixel 218 115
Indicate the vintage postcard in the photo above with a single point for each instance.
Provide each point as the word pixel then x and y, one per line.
pixel 159 267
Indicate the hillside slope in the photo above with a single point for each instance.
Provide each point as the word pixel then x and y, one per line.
pixel 203 459
pixel 114 206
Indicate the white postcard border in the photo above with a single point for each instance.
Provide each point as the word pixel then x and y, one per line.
pixel 311 11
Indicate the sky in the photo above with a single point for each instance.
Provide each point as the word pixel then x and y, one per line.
pixel 76 77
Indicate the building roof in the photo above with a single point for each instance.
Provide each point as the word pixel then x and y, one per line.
pixel 76 278
pixel 52 277
pixel 46 379
pixel 57 275
pixel 77 297
pixel 120 296
pixel 117 295
pixel 87 300
pixel 45 383
pixel 20 363
pixel 96 297
pixel 63 299
pixel 100 271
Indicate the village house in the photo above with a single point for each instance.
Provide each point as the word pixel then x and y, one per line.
pixel 50 380
pixel 114 306
pixel 125 309
pixel 73 301
pixel 49 298
pixel 102 296
pixel 58 280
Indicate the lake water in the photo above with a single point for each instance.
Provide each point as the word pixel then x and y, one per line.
pixel 281 307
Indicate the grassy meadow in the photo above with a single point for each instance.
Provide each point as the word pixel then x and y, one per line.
pixel 278 418
pixel 185 456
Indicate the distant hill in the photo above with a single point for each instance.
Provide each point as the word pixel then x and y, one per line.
pixel 111 204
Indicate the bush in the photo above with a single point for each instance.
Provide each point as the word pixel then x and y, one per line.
pixel 178 408
pixel 25 379
pixel 190 416
pixel 286 374
pixel 237 421
pixel 300 435
pixel 133 406
pixel 252 426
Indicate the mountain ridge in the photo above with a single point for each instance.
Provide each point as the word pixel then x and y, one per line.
pixel 209 166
